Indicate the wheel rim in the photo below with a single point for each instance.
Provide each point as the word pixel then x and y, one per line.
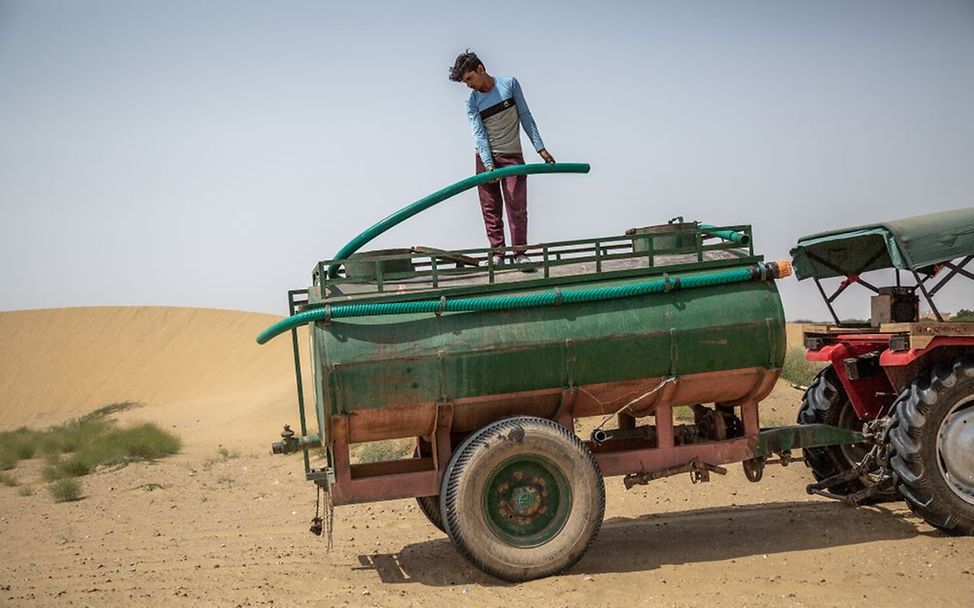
pixel 955 456
pixel 527 501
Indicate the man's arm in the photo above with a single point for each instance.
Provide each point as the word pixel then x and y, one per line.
pixel 527 122
pixel 479 135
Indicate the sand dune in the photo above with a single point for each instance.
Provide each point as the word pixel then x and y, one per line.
pixel 198 371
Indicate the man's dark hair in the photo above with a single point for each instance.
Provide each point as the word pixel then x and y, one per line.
pixel 466 62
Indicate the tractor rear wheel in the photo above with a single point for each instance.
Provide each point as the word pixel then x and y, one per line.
pixel 826 402
pixel 522 498
pixel 931 437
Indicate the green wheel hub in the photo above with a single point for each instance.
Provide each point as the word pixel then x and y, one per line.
pixel 527 501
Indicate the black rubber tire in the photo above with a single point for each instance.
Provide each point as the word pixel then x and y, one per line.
pixel 430 507
pixel 912 435
pixel 826 402
pixel 466 479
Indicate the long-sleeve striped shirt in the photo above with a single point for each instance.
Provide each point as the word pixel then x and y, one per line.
pixel 495 117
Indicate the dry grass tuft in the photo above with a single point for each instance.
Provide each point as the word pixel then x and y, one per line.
pixel 66 490
pixel 799 371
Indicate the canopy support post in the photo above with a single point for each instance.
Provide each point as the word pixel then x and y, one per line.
pixel 926 295
pixel 827 301
pixel 955 269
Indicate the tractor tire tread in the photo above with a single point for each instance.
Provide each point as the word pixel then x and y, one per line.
pixel 820 405
pixel 913 450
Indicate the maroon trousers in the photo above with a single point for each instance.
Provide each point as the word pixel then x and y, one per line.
pixel 515 198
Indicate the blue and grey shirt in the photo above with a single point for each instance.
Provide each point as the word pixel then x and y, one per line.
pixel 494 119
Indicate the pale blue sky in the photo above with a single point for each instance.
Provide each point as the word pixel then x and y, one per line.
pixel 207 154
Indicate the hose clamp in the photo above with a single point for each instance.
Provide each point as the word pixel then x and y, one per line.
pixel 327 318
pixel 442 306
pixel 559 298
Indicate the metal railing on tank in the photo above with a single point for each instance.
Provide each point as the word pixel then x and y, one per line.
pixel 424 268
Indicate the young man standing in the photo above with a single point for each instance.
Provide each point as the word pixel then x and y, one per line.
pixel 496 108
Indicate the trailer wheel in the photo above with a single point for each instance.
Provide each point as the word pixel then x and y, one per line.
pixel 522 498
pixel 931 435
pixel 430 506
pixel 826 402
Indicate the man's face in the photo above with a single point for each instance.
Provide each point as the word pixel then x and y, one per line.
pixel 477 80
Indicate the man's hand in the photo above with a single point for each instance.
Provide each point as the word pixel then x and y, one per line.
pixel 488 169
pixel 546 156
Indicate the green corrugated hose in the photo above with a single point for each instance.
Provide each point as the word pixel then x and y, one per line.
pixel 762 271
pixel 441 195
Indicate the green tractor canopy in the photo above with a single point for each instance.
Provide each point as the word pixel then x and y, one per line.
pixel 922 245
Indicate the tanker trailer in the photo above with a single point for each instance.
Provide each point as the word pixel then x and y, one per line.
pixel 489 366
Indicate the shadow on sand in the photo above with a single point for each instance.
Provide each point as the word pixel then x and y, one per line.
pixel 647 542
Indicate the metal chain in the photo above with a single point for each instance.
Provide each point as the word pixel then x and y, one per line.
pixel 317 502
pixel 330 508
pixel 316 523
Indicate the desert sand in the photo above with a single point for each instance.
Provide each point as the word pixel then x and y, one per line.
pixel 199 528
pixel 197 372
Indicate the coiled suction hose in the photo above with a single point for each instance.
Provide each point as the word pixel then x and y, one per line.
pixel 763 271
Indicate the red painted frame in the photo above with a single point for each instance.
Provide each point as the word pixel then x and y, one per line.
pixel 891 358
pixel 357 483
pixel 872 396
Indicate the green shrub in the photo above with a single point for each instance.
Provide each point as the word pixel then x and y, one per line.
pixel 8 480
pixel 16 446
pixel 25 451
pixel 963 316
pixel 116 447
pixel 78 447
pixel 76 466
pixel 799 371
pixel 53 472
pixel 382 451
pixel 66 490
pixel 26 490
pixel 144 442
pixel 72 436
pixel 20 444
